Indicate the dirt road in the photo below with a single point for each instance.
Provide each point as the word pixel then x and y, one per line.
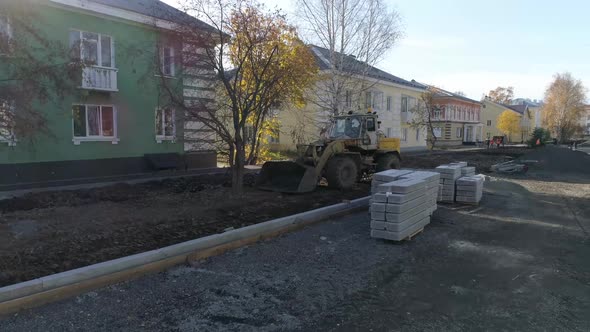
pixel 49 232
pixel 519 261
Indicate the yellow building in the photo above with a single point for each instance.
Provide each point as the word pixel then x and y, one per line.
pixel 535 110
pixel 375 90
pixel 492 110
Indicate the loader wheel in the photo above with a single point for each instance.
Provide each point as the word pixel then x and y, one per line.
pixel 387 161
pixel 341 173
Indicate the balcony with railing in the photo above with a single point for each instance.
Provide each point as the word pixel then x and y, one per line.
pixel 99 78
pixel 452 113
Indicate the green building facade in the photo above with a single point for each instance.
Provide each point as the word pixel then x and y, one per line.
pixel 117 122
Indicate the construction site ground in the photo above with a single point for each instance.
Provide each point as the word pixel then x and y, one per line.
pixel 49 232
pixel 518 261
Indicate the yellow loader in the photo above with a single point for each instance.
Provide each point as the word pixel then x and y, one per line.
pixel 354 147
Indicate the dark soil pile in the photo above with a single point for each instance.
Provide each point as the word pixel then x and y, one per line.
pixel 50 232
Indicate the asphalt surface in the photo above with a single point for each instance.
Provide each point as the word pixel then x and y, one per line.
pixel 519 261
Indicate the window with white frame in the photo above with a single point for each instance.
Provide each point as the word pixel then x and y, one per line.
pixel 167 60
pixel 377 100
pixel 436 114
pixel 389 103
pixel 5 34
pixel 275 136
pixel 405 134
pixel 348 99
pixel 390 132
pixel 489 123
pixel 165 124
pixel 404 104
pixel 437 132
pixel 459 131
pixel 417 134
pixel 368 99
pixel 408 103
pixel 92 48
pixel 94 123
pixel 374 100
pixel 7 112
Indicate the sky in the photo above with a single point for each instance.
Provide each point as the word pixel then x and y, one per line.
pixel 474 46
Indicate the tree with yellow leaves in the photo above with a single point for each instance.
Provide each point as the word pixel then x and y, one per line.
pixel 508 123
pixel 256 62
pixel 565 100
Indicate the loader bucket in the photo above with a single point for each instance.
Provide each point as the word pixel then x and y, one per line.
pixel 286 177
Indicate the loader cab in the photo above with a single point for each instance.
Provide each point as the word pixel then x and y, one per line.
pixel 362 128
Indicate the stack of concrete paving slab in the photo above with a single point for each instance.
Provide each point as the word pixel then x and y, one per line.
pixel 385 177
pixel 449 173
pixel 402 202
pixel 468 171
pixel 470 189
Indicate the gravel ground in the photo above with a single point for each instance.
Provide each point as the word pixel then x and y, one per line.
pixel 48 232
pixel 519 261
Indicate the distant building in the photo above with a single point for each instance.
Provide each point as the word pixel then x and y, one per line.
pixel 391 97
pixel 535 107
pixel 585 120
pixel 492 111
pixel 457 119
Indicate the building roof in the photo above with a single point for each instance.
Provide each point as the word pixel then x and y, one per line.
pixel 351 65
pixel 444 93
pixel 518 108
pixel 528 102
pixel 156 9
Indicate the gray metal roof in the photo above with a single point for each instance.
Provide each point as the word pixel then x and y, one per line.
pixel 444 93
pixel 156 9
pixel 518 108
pixel 351 65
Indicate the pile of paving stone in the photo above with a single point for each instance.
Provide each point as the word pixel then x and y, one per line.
pixel 468 171
pixel 459 183
pixel 448 175
pixel 402 202
pixel 469 189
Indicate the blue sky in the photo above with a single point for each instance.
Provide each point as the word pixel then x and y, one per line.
pixel 475 46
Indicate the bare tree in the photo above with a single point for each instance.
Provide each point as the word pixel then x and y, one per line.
pixel 356 35
pixel 564 103
pixel 35 71
pixel 423 115
pixel 242 64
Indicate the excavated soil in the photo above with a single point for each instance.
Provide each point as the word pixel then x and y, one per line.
pixel 50 232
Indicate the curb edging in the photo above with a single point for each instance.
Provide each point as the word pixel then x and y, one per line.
pixel 64 284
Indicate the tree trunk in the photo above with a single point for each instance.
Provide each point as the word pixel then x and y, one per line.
pixel 237 178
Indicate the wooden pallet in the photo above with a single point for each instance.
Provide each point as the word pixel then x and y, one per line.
pixel 411 236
